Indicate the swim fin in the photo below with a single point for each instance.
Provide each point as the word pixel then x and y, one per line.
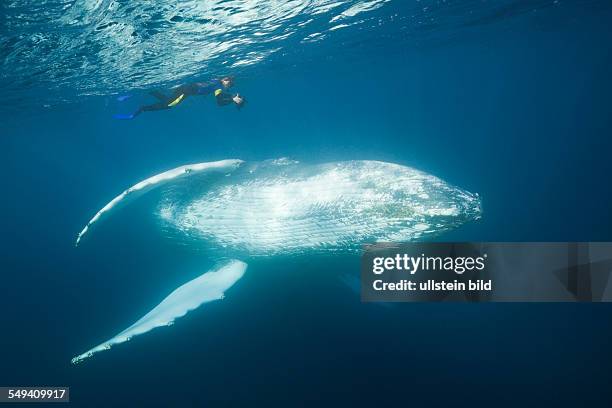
pixel 123 116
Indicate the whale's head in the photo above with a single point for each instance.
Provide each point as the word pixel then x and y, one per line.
pixel 412 204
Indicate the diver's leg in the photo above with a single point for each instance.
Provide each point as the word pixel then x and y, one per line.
pixel 144 108
pixel 150 108
pixel 153 107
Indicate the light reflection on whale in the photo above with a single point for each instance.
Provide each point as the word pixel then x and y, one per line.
pixel 244 210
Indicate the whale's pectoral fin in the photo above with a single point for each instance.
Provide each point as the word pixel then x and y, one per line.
pixel 205 288
pixel 220 167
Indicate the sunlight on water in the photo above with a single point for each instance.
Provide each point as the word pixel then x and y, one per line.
pixel 71 48
pixel 100 45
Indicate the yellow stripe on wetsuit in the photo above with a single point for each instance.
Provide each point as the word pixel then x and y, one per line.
pixel 176 101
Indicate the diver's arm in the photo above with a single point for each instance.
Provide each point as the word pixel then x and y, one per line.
pixel 223 98
pixel 205 88
pixel 196 88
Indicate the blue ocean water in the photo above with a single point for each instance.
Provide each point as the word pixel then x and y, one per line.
pixel 510 99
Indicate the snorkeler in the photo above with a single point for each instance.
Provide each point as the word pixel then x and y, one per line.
pixel 181 92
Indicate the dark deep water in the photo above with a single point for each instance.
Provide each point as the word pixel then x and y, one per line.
pixel 511 101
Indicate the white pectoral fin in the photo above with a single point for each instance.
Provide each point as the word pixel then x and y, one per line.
pixel 159 179
pixel 205 288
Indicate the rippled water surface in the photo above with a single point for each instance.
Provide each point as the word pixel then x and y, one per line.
pixel 103 46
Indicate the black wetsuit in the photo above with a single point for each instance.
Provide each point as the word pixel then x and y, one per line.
pixel 180 93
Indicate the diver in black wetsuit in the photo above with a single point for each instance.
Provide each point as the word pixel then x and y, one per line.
pixel 181 92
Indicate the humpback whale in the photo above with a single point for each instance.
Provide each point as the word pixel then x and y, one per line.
pixel 243 210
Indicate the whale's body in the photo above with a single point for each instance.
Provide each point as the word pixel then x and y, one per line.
pixel 287 207
pixel 244 210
